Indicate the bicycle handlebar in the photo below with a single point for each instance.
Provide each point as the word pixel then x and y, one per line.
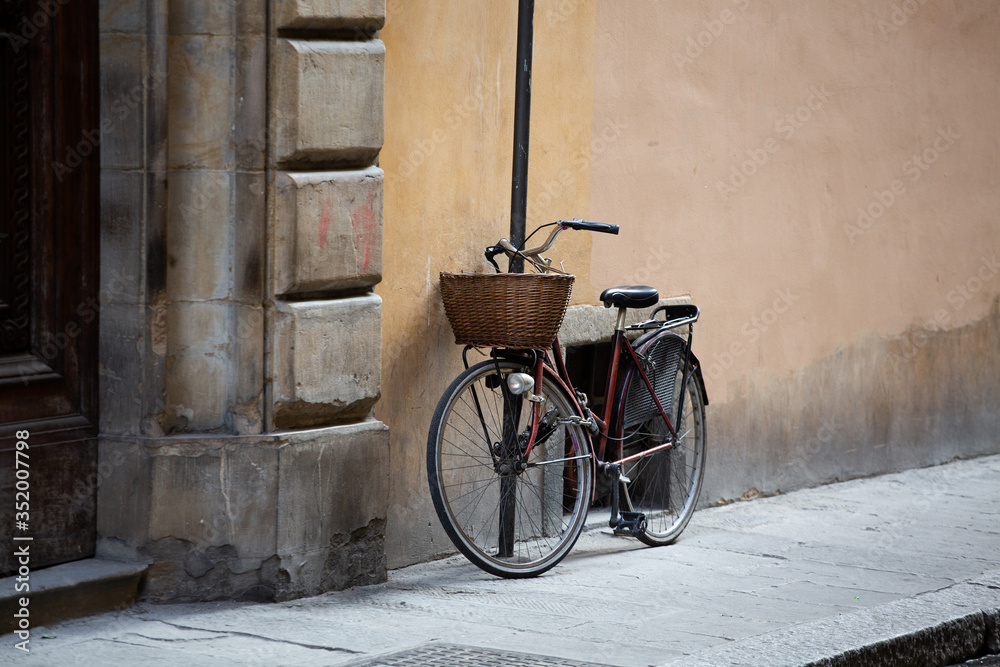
pixel 586 225
pixel 533 255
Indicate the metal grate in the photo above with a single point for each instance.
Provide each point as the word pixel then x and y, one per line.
pixel 662 358
pixel 450 655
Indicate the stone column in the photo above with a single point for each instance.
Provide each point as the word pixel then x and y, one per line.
pixel 324 322
pixel 217 56
pixel 240 338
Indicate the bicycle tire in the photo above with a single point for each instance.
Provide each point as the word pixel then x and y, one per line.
pixel 664 485
pixel 468 483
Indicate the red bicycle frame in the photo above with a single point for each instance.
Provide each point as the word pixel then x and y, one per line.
pixel 562 374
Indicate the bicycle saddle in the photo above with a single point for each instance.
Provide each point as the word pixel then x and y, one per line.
pixel 630 296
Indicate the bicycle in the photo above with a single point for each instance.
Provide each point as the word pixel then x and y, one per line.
pixel 512 472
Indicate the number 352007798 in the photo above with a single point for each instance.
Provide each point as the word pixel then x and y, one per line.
pixel 22 473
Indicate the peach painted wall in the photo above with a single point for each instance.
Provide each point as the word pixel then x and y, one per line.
pixel 821 179
pixel 447 159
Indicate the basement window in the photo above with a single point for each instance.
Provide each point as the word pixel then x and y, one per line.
pixel 588 368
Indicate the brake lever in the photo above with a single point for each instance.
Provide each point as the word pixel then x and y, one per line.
pixel 491 252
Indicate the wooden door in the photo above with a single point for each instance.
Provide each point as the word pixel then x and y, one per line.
pixel 49 146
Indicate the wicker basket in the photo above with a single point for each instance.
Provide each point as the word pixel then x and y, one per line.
pixel 520 310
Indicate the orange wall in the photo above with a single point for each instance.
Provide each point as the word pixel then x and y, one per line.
pixel 447 160
pixel 737 143
pixel 747 161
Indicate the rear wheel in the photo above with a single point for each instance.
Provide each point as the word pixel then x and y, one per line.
pixel 509 517
pixel 665 484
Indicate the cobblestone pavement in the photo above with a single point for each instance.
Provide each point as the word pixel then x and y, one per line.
pixel 908 562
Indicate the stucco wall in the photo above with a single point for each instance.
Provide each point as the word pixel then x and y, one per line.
pixel 737 143
pixel 447 161
pixel 822 177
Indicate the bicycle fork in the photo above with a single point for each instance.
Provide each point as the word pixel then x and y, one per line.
pixel 511 451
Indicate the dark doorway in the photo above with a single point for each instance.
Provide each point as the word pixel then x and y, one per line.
pixel 588 367
pixel 48 276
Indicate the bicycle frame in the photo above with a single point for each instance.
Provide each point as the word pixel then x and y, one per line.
pixel 609 427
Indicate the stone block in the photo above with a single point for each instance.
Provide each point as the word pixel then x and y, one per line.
pixel 123 81
pixel 586 325
pixel 362 15
pixel 196 17
pixel 246 410
pixel 220 17
pixel 199 366
pixel 328 101
pixel 249 238
pixel 332 504
pixel 200 104
pixel 120 379
pixel 262 517
pixel 122 245
pixel 200 510
pixel 325 361
pixel 199 218
pixel 250 133
pixel 214 493
pixel 327 230
pixel 122 16
pixel 124 495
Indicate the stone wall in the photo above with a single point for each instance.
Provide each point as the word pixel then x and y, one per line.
pixel 240 340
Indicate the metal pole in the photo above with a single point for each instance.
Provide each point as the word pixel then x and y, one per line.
pixel 518 210
pixel 522 118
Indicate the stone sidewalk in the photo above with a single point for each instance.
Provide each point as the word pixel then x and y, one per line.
pixel 886 570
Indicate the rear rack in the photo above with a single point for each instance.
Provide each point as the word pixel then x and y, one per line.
pixel 673 316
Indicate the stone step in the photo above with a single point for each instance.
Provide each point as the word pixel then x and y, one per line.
pixel 71 590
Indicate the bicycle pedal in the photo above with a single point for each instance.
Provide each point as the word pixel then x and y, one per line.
pixel 631 523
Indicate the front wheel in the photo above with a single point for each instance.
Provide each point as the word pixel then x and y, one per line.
pixel 510 517
pixel 665 484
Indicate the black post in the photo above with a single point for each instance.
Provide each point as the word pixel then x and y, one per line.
pixel 522 119
pixel 518 212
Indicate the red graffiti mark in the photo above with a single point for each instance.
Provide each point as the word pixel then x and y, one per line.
pixel 324 222
pixel 365 227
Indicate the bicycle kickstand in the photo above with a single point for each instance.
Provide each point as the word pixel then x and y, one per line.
pixel 622 522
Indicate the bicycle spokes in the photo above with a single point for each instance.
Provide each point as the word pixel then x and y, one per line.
pixel 511 513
